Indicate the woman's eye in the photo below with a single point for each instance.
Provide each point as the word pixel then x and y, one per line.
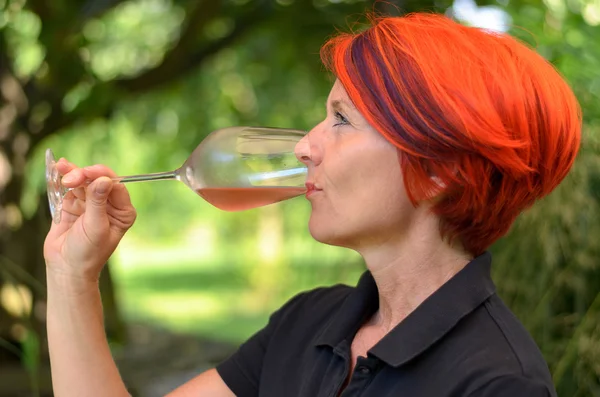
pixel 341 120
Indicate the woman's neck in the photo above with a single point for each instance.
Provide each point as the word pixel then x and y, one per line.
pixel 409 271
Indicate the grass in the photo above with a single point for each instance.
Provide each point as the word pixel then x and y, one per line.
pixel 226 297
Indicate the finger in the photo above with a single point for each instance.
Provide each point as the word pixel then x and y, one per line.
pixel 95 220
pixel 74 178
pixel 78 193
pixel 63 166
pixel 121 219
pixel 63 160
pixel 119 196
pixel 73 205
pixel 94 172
pixel 72 209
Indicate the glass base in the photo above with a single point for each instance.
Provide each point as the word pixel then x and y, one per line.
pixel 54 188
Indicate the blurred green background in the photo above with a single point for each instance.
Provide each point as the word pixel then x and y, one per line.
pixel 137 84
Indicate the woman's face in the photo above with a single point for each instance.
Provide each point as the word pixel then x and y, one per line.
pixel 358 198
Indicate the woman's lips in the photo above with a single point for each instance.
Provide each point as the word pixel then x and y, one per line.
pixel 311 189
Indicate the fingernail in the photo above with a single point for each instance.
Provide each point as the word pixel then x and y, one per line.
pixel 102 186
pixel 68 178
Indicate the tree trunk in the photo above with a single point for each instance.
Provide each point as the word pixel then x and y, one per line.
pixel 23 262
pixel 116 330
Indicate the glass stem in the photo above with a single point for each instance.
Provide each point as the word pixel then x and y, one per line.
pixel 159 176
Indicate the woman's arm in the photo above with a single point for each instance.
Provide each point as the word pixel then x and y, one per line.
pixel 80 358
pixel 82 364
pixel 208 383
pixel 95 217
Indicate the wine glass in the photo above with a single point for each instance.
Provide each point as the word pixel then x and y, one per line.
pixel 234 169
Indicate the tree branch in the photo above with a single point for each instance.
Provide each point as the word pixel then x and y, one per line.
pixel 41 8
pixel 177 63
pixel 96 8
pixel 199 16
pixel 176 68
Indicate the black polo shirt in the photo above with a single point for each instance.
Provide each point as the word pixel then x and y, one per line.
pixel 461 341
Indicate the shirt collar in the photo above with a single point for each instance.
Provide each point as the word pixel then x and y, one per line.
pixel 427 324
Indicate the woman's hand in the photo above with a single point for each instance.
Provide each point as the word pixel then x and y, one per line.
pixel 95 216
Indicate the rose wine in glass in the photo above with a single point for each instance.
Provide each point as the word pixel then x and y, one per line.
pixel 243 198
pixel 234 169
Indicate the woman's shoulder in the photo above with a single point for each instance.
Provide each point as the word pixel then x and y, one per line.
pixel 516 337
pixel 306 313
pixel 499 346
pixel 321 300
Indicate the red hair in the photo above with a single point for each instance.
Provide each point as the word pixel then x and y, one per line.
pixel 489 118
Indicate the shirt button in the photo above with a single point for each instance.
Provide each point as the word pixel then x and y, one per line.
pixel 364 370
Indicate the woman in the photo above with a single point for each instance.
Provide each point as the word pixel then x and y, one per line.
pixel 437 136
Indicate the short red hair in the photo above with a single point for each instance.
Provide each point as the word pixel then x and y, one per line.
pixel 489 117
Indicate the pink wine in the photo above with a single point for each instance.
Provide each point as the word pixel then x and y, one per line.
pixel 244 198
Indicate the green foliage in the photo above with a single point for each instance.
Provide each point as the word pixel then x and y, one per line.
pixel 130 38
pixel 22 31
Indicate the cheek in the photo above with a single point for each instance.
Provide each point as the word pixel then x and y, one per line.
pixel 363 201
pixel 383 198
pixel 353 167
pixel 370 187
pixel 378 176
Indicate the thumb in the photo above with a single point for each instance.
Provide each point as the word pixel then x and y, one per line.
pixel 96 218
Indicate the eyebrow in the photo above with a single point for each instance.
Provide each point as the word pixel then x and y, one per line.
pixel 340 103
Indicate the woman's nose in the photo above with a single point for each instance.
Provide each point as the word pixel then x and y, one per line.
pixel 302 150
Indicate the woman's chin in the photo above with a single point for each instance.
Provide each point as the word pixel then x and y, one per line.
pixel 326 233
pixel 319 231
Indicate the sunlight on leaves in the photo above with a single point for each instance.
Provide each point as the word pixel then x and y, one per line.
pixel 16 299
pixel 23 29
pixel 132 37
